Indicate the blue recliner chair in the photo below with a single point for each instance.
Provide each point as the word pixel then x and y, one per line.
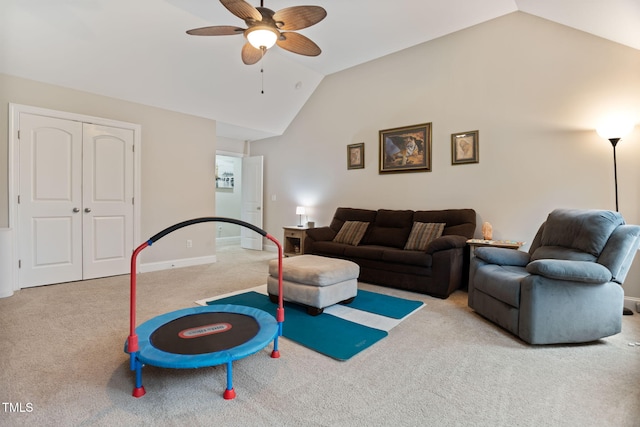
pixel 567 288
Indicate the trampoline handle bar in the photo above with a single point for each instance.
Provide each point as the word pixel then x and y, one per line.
pixel 175 227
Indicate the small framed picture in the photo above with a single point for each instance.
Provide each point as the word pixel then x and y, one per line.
pixel 464 148
pixel 406 149
pixel 355 156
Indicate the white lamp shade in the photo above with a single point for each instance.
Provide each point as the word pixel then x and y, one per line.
pixel 260 37
pixel 300 210
pixel 615 127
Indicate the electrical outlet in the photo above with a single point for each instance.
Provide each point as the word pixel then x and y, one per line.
pixel 189 243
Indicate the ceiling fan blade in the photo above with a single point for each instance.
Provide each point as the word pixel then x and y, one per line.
pixel 251 55
pixel 298 17
pixel 297 43
pixel 218 30
pixel 242 9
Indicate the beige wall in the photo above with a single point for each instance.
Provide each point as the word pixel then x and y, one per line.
pixel 534 89
pixel 177 172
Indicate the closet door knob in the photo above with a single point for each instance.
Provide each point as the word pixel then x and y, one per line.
pixel 76 210
pixel 87 210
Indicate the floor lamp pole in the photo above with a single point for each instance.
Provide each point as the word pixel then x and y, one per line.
pixel 614 142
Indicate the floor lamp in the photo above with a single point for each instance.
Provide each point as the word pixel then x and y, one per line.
pixel 614 131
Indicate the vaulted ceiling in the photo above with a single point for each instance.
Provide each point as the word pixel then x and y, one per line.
pixel 137 50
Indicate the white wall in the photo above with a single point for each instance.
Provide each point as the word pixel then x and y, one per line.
pixel 534 89
pixel 177 150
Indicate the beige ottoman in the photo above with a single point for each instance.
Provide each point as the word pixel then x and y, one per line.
pixel 314 281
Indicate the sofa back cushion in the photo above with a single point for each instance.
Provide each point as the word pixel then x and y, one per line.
pixel 391 228
pixel 343 215
pixel 461 222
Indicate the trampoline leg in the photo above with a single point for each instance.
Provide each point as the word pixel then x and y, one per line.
pixel 229 393
pixel 275 354
pixel 276 351
pixel 139 390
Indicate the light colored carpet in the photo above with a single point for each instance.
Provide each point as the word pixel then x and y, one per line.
pixel 62 352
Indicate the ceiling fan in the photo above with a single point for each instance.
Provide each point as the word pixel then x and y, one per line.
pixel 266 28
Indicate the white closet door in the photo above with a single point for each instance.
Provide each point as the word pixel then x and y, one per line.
pixel 50 228
pixel 107 200
pixel 76 193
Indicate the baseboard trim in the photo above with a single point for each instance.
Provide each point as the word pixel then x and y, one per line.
pixel 179 263
pixel 270 247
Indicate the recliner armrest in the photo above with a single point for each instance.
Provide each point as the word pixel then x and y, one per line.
pixel 574 271
pixel 502 256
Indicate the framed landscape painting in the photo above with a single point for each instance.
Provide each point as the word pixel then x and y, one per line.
pixel 405 149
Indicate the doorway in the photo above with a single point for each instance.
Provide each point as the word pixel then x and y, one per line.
pixel 228 198
pixel 239 192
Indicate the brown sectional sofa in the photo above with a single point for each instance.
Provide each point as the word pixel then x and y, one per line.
pixel 438 270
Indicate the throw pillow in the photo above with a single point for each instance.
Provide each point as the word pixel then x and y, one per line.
pixel 422 234
pixel 351 232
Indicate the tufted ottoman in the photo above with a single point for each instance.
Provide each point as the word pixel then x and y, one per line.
pixel 314 281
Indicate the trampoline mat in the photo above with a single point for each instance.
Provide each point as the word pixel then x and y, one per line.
pixel 203 333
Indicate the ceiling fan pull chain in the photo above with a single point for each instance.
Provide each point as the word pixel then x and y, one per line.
pixel 262 69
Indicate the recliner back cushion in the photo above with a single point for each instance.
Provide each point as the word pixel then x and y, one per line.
pixel 581 230
pixel 391 228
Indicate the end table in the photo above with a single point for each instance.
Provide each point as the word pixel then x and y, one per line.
pixel 294 240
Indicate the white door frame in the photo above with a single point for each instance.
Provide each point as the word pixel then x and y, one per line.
pixel 14 181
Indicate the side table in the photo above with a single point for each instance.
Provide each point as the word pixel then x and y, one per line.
pixel 294 240
pixel 510 244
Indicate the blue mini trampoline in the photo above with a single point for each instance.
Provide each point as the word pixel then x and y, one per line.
pixel 201 336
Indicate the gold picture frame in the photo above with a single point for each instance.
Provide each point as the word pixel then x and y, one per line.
pixel 355 156
pixel 464 148
pixel 405 149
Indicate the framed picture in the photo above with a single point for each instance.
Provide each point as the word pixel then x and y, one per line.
pixel 355 156
pixel 406 149
pixel 464 148
pixel 225 174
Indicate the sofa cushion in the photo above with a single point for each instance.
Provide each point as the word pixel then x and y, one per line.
pixel 407 257
pixel 350 214
pixel 460 222
pixel 422 233
pixel 351 232
pixel 329 248
pixel 365 252
pixel 391 228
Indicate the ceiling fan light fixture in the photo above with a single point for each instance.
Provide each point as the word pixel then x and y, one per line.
pixel 262 36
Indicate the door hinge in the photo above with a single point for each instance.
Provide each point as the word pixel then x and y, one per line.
pixel 19 263
pixel 133 200
pixel 18 199
pixel 18 133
